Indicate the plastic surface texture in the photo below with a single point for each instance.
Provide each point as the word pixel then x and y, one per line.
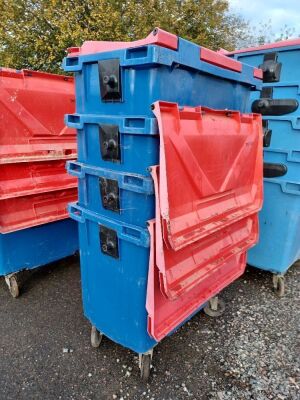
pixel 114 289
pixel 26 211
pixel 38 246
pixel 203 152
pixel 287 55
pixel 281 45
pixel 202 259
pixel 158 37
pixel 285 132
pixel 279 246
pixel 122 196
pixel 164 315
pixel 109 89
pixel 204 274
pixel 34 177
pixel 32 105
pixel 135 133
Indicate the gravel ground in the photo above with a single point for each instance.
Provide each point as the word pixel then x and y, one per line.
pixel 248 353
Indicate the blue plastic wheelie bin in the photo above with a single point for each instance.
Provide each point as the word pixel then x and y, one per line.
pixel 118 143
pixel 279 244
pixel 30 248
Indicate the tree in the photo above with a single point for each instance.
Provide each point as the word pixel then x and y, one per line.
pixel 35 33
pixel 263 33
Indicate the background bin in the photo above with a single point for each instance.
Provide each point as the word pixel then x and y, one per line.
pixel 32 104
pixel 34 185
pixel 279 245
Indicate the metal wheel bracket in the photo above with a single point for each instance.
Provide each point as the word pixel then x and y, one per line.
pixel 13 285
pixel 141 355
pixel 213 302
pixel 7 280
pixel 279 284
pixel 215 307
pixel 96 337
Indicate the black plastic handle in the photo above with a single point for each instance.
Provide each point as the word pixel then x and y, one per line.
pixel 272 170
pixel 274 106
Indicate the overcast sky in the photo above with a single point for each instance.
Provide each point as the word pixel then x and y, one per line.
pixel 280 12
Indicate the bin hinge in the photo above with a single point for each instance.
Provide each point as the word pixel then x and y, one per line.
pixel 272 170
pixel 109 241
pixel 110 142
pixel 267 134
pixel 110 80
pixel 109 189
pixel 271 68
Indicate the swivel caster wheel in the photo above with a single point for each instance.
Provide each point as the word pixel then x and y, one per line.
pixel 96 337
pixel 13 286
pixel 279 285
pixel 215 307
pixel 145 365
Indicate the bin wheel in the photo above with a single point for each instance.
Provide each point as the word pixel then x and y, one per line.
pixel 215 307
pixel 96 337
pixel 279 285
pixel 145 366
pixel 13 285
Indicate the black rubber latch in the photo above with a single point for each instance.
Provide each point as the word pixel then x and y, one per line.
pixel 109 190
pixel 271 68
pixel 110 142
pixel 110 80
pixel 267 133
pixel 272 170
pixel 109 241
pixel 267 106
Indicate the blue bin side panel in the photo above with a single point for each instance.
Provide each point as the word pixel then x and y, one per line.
pixel 145 86
pixel 161 74
pixel 138 139
pixel 285 132
pixel 114 289
pixel 279 246
pixel 34 247
pixel 138 152
pixel 290 159
pixel 288 56
pixel 136 202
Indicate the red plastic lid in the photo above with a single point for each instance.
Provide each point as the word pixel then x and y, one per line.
pixel 157 36
pixel 15 73
pixel 218 190
pixel 283 43
pixel 33 105
pixel 35 209
pixel 166 314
